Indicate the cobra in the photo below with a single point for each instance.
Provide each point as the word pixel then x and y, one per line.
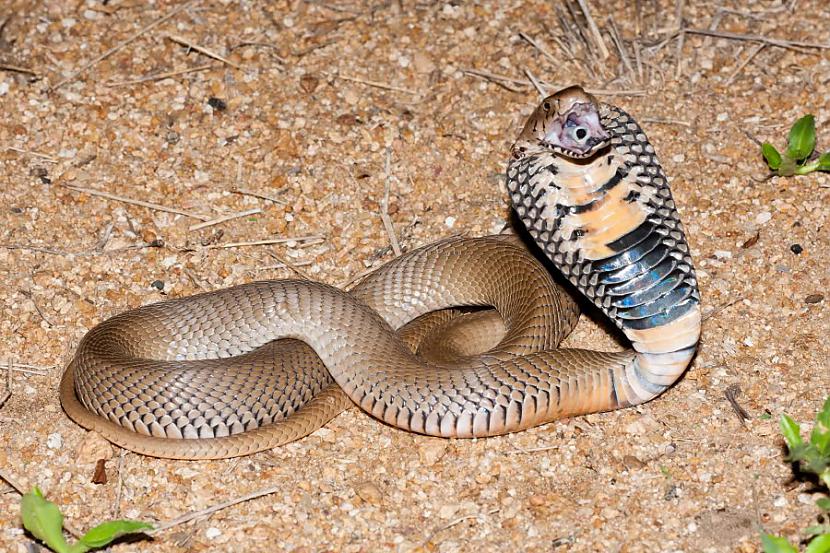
pixel 251 367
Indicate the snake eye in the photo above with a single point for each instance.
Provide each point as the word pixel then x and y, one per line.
pixel 546 106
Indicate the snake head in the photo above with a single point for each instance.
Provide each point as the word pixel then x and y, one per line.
pixel 566 122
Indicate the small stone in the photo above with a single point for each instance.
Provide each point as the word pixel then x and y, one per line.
pixel 309 83
pixel 54 441
pixel 423 63
pixel 631 462
pixel 796 249
pixel 814 298
pixel 217 104
pixel 448 511
pixel 450 221
pixel 212 533
pixel 538 500
pixel 369 492
pixel 431 452
pixel 635 428
pixel 763 217
pixel 92 448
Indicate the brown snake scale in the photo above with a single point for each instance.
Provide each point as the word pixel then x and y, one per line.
pixel 251 367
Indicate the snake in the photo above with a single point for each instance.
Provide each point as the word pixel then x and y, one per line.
pixel 251 367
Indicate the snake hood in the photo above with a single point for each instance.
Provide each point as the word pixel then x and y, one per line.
pixel 588 186
pixel 567 122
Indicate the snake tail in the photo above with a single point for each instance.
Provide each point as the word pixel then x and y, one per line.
pixel 588 186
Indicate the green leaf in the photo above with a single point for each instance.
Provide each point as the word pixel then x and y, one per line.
pixel 820 436
pixel 771 155
pixel 820 544
pixel 791 432
pixel 44 520
pixel 824 162
pixel 105 532
pixel 823 503
pixel 802 139
pixel 774 544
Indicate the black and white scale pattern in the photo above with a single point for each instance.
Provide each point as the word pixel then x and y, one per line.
pixel 650 281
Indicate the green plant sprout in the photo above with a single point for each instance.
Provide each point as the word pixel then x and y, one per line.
pixel 44 520
pixel 800 146
pixel 812 456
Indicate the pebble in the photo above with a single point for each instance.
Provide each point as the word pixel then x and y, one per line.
pixel 212 533
pixel 632 462
pixel 54 441
pixel 92 448
pixel 763 217
pixel 432 452
pixel 369 492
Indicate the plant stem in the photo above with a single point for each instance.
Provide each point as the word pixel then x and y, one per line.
pixel 806 168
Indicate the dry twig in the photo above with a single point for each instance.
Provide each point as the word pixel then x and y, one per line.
pixel 17 69
pixel 536 84
pixel 306 240
pixel 202 50
pixel 224 218
pixel 374 84
pixel 44 157
pixel 7 392
pixel 781 43
pixel 744 63
pixel 218 507
pixel 583 5
pixel 384 206
pixel 26 369
pixel 148 205
pixel 161 76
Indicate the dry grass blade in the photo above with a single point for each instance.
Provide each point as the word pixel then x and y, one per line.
pixel 744 63
pixel 374 84
pixel 120 45
pixel 597 36
pixel 117 198
pixel 536 84
pixel 225 218
pixel 7 390
pixel 306 240
pixel 540 47
pixel 17 69
pixel 384 206
pixel 618 42
pixel 44 157
pixel 781 43
pixel 507 83
pixel 202 50
pixel 162 76
pixel 218 507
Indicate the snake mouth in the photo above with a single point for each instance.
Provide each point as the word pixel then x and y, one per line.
pixel 592 146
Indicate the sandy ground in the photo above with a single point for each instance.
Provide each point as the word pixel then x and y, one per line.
pixel 309 100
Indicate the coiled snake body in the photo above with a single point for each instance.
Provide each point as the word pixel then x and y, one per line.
pixel 230 372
